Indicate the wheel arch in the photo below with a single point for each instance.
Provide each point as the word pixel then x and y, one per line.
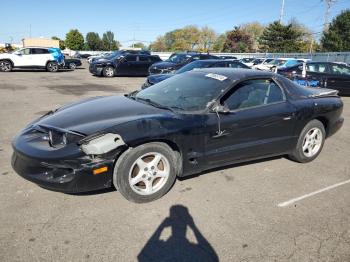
pixel 8 59
pixel 173 146
pixel 325 123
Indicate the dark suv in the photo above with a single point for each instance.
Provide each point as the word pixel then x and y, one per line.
pixel 178 60
pixel 123 64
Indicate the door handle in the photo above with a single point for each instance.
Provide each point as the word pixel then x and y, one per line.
pixel 287 118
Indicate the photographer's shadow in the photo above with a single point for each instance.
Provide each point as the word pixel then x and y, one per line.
pixel 177 247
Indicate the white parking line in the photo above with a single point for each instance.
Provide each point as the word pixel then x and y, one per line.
pixel 292 201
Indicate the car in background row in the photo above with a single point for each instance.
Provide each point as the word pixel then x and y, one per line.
pixel 261 62
pixel 228 57
pixel 101 55
pixel 116 53
pixel 127 65
pixel 320 74
pixel 247 61
pixel 178 60
pixel 32 57
pixel 278 63
pixel 154 79
pixel 71 63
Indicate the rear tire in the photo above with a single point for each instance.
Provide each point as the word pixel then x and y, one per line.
pixel 310 142
pixel 108 71
pixel 145 173
pixel 52 66
pixel 5 66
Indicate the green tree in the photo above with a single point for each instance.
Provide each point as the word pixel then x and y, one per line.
pixel 280 38
pixel 158 45
pixel 238 41
pixel 108 42
pixel 207 37
pixel 139 45
pixel 74 40
pixel 61 42
pixel 219 42
pixel 337 37
pixel 255 30
pixel 93 41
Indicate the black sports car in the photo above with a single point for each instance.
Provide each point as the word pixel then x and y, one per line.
pixel 184 125
pixel 120 64
pixel 153 79
pixel 72 63
pixel 320 74
pixel 178 60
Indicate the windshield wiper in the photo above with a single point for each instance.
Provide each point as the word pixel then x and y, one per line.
pixel 152 103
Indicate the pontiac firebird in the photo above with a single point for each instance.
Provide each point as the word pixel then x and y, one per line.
pixel 139 143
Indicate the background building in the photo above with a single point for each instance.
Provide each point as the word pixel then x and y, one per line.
pixel 43 42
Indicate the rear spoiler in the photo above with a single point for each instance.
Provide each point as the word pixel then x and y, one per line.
pixel 326 93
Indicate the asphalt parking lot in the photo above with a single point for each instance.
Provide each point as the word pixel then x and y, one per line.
pixel 238 213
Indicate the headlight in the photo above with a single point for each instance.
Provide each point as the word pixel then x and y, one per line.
pixel 101 143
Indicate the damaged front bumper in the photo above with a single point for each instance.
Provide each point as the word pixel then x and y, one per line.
pixel 68 176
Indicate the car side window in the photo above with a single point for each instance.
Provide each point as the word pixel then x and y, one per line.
pixel 143 58
pixel 340 69
pixel 39 51
pixel 25 51
pixel 131 58
pixel 219 64
pixel 316 67
pixel 252 93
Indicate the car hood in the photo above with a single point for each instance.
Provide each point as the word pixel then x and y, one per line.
pixel 97 114
pixel 154 79
pixel 165 64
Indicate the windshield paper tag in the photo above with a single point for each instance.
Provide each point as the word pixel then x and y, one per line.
pixel 216 76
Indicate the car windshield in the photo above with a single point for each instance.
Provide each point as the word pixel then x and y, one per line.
pixel 193 65
pixel 190 91
pixel 178 58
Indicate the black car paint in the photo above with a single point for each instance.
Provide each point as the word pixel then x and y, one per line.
pixel 326 79
pixel 128 65
pixel 168 66
pixel 68 61
pixel 156 78
pixel 247 134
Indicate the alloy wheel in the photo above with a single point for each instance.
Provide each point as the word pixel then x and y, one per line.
pixel 5 66
pixel 149 173
pixel 109 72
pixel 312 142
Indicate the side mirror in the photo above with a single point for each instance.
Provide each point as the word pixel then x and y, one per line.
pixel 216 107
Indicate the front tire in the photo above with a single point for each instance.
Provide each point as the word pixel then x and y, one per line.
pixel 72 66
pixel 145 173
pixel 310 142
pixel 52 66
pixel 108 71
pixel 5 66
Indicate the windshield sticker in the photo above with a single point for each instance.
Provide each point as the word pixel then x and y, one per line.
pixel 216 76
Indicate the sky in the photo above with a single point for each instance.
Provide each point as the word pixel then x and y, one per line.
pixel 145 20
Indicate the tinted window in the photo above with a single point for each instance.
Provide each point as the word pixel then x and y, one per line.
pixel 316 67
pixel 131 58
pixel 219 64
pixel 144 58
pixel 190 91
pixel 253 93
pixel 39 51
pixel 340 69
pixel 178 58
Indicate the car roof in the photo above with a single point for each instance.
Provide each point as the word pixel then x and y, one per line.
pixel 235 73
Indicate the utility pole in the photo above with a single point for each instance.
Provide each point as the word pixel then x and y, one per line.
pixel 282 12
pixel 327 12
pixel 30 30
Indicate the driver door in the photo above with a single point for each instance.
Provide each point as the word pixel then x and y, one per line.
pixel 22 58
pixel 260 123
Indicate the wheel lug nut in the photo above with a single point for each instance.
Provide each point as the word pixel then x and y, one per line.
pixel 143 176
pixel 152 167
pixel 146 168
